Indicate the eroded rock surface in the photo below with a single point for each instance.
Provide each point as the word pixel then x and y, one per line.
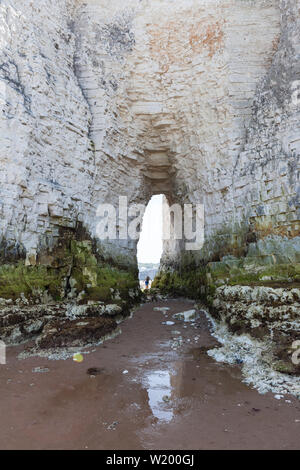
pixel 264 313
pixel 75 333
pixel 60 325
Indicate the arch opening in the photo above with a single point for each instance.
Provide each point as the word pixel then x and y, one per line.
pixel 150 245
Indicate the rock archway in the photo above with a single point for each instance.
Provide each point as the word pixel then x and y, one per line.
pixel 195 100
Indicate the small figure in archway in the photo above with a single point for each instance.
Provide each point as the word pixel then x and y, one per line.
pixel 147 282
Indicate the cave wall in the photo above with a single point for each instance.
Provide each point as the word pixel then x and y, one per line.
pixel 192 99
pixel 48 251
pixel 171 94
pixel 46 157
pixel 266 174
pixel 185 103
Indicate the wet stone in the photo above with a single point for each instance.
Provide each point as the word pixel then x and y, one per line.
pixel 95 371
pixel 72 333
pixel 40 370
pixel 188 315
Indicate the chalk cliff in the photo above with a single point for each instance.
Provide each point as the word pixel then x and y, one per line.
pixel 197 100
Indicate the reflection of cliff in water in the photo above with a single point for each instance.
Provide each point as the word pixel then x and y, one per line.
pixel 159 392
pixel 173 391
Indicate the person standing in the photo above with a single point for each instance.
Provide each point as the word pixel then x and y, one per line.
pixel 147 282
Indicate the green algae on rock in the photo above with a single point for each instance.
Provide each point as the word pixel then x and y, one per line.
pixel 41 291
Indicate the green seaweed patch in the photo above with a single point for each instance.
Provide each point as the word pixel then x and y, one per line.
pixel 239 272
pixel 71 267
pixel 97 279
pixel 286 367
pixel 30 281
pixel 189 283
pixel 277 274
pixel 202 282
pixel 110 280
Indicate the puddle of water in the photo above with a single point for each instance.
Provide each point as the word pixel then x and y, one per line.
pixel 159 391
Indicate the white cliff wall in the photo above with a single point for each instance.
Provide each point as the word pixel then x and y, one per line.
pixel 137 98
pixel 47 167
pixel 195 99
pixel 266 175
pixel 171 88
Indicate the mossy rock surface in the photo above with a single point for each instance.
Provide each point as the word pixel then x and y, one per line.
pixel 276 274
pixel 16 280
pixel 185 283
pixel 286 367
pixel 71 267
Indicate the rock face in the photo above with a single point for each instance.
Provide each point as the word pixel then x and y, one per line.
pixel 76 333
pixel 101 101
pixel 59 325
pixel 197 100
pixel 263 312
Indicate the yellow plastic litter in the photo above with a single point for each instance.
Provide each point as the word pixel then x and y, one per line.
pixel 78 357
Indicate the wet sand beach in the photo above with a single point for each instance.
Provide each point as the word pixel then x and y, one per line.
pixel 151 387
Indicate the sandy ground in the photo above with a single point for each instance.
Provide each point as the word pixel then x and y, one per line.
pixel 173 396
